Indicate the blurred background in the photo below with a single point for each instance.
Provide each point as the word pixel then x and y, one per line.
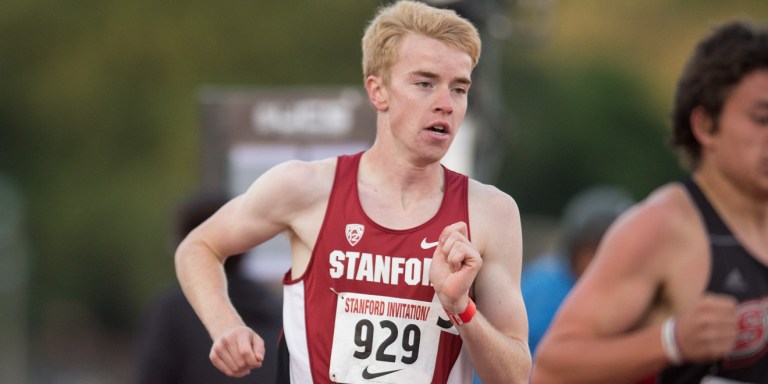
pixel 101 134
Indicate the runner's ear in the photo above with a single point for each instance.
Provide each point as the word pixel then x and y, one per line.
pixel 377 93
pixel 702 125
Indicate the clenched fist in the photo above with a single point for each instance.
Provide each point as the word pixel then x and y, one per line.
pixel 237 351
pixel 455 265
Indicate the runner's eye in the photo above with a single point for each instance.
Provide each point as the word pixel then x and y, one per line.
pixel 760 119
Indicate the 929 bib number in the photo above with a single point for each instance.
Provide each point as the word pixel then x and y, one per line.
pixel 384 340
pixel 410 341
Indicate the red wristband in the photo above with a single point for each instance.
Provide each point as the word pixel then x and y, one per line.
pixel 464 317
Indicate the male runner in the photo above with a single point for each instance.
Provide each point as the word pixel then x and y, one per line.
pixel 680 282
pixel 402 270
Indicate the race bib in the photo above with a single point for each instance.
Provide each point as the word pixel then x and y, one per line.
pixel 379 339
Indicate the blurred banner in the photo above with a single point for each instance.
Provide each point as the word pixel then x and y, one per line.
pixel 247 131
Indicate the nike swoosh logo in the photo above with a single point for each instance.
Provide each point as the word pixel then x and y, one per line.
pixel 368 376
pixel 428 245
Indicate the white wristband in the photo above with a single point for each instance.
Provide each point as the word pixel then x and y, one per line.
pixel 669 343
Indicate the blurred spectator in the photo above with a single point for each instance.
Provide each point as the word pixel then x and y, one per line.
pixel 174 345
pixel 547 279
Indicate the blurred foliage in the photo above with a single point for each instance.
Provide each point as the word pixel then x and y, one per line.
pixel 99 116
pixel 575 128
pixel 99 123
pixel 590 101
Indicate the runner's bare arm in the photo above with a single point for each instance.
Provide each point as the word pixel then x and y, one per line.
pixel 271 205
pixel 609 312
pixel 496 337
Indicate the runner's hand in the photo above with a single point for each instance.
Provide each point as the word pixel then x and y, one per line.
pixel 708 331
pixel 455 264
pixel 237 351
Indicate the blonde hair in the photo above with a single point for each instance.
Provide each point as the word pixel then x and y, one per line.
pixel 392 23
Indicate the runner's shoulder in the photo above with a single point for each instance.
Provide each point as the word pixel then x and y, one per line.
pixel 490 198
pixel 668 208
pixel 300 175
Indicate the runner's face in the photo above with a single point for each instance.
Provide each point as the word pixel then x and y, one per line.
pixel 427 95
pixel 740 145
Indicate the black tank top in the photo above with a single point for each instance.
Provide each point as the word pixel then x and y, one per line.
pixel 734 272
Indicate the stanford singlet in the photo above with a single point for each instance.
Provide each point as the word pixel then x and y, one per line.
pixel 364 310
pixel 737 273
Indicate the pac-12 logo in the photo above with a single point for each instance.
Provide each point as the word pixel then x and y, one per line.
pixel 354 233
